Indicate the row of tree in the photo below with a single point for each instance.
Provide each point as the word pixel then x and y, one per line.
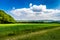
pixel 39 21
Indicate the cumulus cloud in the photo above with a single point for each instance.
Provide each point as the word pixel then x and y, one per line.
pixel 36 12
pixel 30 4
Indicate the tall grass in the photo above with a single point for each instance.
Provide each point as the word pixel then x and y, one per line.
pixel 50 35
pixel 20 29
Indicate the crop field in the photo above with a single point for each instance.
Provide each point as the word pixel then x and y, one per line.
pixel 29 31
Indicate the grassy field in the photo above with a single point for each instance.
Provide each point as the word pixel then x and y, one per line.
pixel 29 31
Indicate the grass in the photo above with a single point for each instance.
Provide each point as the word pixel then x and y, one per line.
pixel 9 30
pixel 49 35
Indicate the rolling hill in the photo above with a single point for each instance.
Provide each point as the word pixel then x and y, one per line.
pixel 5 18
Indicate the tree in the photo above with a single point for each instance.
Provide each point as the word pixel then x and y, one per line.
pixel 6 18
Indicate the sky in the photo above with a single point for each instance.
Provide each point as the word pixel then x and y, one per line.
pixel 32 9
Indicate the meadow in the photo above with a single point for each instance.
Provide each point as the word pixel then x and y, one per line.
pixel 30 31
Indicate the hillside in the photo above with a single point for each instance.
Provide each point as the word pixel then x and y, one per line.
pixel 5 18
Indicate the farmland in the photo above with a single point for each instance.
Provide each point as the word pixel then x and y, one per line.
pixel 29 31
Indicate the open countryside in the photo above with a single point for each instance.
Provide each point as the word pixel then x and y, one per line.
pixel 29 31
pixel 38 21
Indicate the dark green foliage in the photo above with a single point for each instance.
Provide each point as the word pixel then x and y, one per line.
pixel 5 18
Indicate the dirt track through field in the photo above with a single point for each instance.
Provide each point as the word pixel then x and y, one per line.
pixel 31 34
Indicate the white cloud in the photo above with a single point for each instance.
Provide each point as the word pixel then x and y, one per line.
pixel 30 4
pixel 36 12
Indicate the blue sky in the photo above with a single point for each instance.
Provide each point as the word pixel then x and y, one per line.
pixel 9 4
pixel 32 9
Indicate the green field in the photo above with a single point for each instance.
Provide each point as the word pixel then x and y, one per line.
pixel 29 31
